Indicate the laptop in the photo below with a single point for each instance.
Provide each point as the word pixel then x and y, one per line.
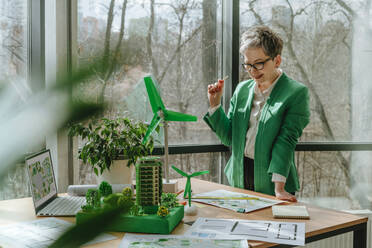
pixel 44 189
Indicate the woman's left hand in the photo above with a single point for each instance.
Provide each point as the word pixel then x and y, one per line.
pixel 285 196
pixel 281 194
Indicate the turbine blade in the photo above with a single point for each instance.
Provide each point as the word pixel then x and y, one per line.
pixel 199 173
pixel 154 123
pixel 153 93
pixel 179 171
pixel 177 116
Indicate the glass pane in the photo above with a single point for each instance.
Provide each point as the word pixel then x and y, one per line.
pixel 175 41
pixel 191 163
pixel 13 74
pixel 13 39
pixel 15 183
pixel 329 181
pixel 326 52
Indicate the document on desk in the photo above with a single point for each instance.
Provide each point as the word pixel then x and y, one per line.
pixel 38 233
pixel 238 202
pixel 290 233
pixel 177 241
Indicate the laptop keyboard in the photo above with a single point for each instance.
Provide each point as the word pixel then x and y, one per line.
pixel 63 206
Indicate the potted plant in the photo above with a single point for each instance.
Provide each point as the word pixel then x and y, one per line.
pixel 107 139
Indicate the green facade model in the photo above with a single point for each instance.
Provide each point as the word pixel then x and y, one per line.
pixel 149 183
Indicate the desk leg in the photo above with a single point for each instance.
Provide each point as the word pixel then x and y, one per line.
pixel 360 236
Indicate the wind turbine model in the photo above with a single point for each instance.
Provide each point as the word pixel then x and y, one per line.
pixel 165 115
pixel 190 210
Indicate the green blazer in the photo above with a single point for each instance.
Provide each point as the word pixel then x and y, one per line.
pixel 283 117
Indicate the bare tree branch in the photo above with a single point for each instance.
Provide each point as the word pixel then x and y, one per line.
pixel 256 15
pixel 346 7
pixel 106 49
pixel 154 65
pixel 170 61
pixel 302 10
pixel 118 44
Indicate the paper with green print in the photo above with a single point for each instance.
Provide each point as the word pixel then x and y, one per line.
pixel 177 241
pixel 230 200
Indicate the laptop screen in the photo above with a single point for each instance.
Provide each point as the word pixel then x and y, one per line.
pixel 41 176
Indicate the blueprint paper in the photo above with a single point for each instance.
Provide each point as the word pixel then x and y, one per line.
pixel 235 205
pixel 177 241
pixel 290 233
pixel 38 233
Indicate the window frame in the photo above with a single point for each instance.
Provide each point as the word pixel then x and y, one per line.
pixel 36 44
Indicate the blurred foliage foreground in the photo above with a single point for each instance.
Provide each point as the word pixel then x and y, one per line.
pixel 25 124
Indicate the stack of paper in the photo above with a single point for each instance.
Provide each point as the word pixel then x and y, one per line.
pixel 290 212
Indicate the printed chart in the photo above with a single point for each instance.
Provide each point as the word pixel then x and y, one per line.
pixel 291 233
pixel 238 202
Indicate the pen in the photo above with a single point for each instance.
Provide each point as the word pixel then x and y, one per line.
pixel 235 224
pixel 225 198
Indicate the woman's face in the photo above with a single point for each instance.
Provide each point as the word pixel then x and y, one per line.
pixel 254 58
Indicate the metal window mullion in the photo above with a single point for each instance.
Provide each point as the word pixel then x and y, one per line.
pixel 36 45
pixel 303 146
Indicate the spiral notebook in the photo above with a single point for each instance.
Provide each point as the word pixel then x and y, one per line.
pixel 290 212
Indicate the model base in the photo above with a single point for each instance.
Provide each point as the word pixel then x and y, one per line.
pixel 151 223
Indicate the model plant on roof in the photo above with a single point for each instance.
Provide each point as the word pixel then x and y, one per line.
pixel 189 210
pixel 161 114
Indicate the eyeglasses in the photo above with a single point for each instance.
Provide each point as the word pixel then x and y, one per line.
pixel 257 66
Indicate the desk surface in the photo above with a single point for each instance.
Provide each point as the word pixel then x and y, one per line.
pixel 321 220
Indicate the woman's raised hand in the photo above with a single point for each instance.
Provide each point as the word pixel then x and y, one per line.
pixel 215 92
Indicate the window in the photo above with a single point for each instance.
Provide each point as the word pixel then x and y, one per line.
pixel 323 50
pixel 13 73
pixel 178 42
pixel 175 41
pixel 326 47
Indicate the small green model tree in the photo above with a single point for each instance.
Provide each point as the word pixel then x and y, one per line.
pixel 93 199
pixel 169 200
pixel 127 192
pixel 136 210
pixel 105 189
pixel 111 200
pixel 123 200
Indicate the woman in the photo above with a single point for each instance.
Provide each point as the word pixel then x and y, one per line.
pixel 266 117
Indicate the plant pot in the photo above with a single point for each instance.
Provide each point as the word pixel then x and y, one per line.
pixel 119 173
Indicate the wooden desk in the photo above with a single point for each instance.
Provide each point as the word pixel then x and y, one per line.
pixel 324 223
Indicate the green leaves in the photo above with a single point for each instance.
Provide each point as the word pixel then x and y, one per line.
pixel 105 188
pixel 108 138
pixel 89 229
pixel 169 200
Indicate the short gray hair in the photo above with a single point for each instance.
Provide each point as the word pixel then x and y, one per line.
pixel 261 37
